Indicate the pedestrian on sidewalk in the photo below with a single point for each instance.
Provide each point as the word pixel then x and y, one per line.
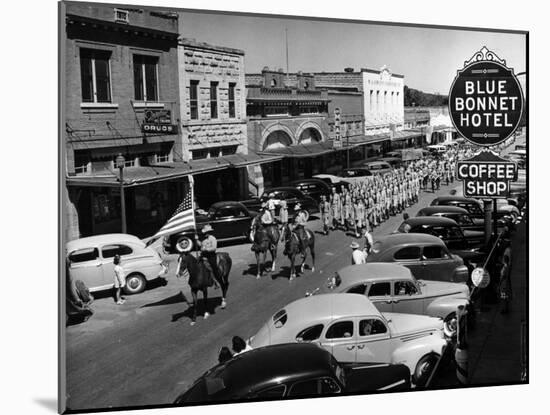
pixel 120 280
pixel 357 256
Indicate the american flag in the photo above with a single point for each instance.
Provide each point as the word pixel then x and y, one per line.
pixel 182 219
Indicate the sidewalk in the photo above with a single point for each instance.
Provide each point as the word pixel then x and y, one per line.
pixel 496 345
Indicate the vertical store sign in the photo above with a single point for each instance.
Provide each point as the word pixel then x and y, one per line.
pixel 486 104
pixel 337 141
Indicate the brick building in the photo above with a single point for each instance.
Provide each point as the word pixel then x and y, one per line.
pixel 287 120
pixel 120 96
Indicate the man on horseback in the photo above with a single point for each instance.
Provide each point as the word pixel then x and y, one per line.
pixel 300 220
pixel 208 248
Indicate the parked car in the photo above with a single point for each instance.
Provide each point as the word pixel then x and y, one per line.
pixel 461 216
pixel 353 330
pixel 393 288
pixel 378 167
pixel 394 162
pixel 426 256
pixel 91 261
pixel 505 211
pixel 447 230
pixel 436 149
pixel 356 174
pixel 230 221
pixel 335 182
pixel 314 188
pixel 291 370
pixel 291 195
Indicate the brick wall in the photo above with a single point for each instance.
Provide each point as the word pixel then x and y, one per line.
pixel 116 126
pixel 343 79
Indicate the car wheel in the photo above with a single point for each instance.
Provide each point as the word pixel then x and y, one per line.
pixel 450 325
pixel 185 242
pixel 135 283
pixel 424 369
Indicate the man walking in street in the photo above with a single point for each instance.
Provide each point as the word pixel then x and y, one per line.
pixel 357 256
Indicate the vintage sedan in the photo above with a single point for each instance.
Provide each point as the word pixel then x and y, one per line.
pixel 314 188
pixel 456 239
pixel 291 195
pixel 353 330
pixel 460 215
pixel 506 212
pixel 378 167
pixel 91 261
pixel 426 256
pixel 230 221
pixel 393 288
pixel 288 371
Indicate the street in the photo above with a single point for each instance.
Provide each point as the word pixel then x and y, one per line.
pixel 145 352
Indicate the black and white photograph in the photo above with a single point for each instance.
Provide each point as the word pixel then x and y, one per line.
pixel 276 208
pixel 269 208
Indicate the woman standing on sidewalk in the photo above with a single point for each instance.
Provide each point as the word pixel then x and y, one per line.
pixel 120 280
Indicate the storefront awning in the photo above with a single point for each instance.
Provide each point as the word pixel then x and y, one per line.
pixel 404 134
pixel 301 150
pixel 367 139
pixel 252 158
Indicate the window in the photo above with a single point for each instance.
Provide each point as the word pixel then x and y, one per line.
pixel 304 388
pixel 226 212
pixel 231 94
pixel 328 385
pixel 340 330
pixel 280 318
pixel 145 78
pixel 121 16
pixel 310 334
pixel 109 251
pixel 162 158
pixel 194 99
pixel 380 288
pixel 128 162
pixel 410 252
pixel 404 288
pixel 84 255
pixel 213 100
pixel 226 151
pixel 95 75
pixel 371 326
pixel 275 392
pixel 435 252
pixel 199 154
pixel 358 289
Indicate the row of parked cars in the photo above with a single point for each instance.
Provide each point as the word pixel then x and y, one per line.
pixel 387 321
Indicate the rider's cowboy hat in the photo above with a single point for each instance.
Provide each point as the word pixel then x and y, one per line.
pixel 207 228
pixel 297 206
pixel 184 246
pixel 271 194
pixel 354 245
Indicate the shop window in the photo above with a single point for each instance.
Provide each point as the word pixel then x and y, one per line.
pixel 226 151
pixel 128 162
pixel 214 152
pixel 146 78
pixel 231 94
pixel 162 158
pixel 95 75
pixel 213 100
pixel 194 99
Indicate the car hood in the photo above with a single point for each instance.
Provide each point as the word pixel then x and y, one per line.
pixel 412 324
pixel 470 234
pixel 441 288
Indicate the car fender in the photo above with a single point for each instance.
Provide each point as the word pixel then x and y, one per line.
pixel 409 353
pixel 460 274
pixel 442 307
pixel 148 267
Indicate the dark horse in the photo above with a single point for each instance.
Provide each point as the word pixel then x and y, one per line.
pixel 294 246
pixel 200 278
pixel 264 238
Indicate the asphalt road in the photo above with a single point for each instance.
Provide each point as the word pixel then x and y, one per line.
pixel 145 352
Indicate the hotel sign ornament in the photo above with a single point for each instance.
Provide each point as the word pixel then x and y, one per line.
pixel 485 100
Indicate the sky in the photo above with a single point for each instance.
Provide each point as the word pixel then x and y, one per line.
pixel 427 57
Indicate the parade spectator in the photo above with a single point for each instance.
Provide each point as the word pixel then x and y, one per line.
pixel 120 280
pixel 224 354
pixel 357 256
pixel 239 345
pixel 505 285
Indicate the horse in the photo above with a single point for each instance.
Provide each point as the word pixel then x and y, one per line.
pixel 265 238
pixel 200 280
pixel 293 246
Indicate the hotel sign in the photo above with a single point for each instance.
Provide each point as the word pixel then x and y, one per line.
pixel 485 100
pixel 337 141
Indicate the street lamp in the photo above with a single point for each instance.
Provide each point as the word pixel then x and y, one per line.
pixel 119 163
